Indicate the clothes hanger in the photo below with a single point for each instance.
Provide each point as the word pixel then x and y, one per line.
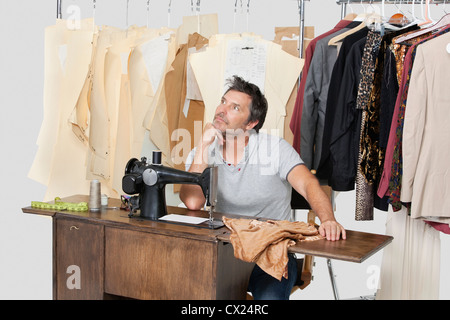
pixel 168 13
pixel 241 12
pixel 413 18
pixel 427 19
pixel 375 22
pixel 399 18
pixel 127 15
pixel 362 15
pixel 384 24
pixel 350 16
pixel 371 6
pixel 335 40
pixel 374 16
pixel 197 8
pixel 443 22
pixel 94 7
pixel 148 13
pixel 248 12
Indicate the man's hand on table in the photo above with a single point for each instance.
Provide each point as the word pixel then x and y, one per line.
pixel 332 230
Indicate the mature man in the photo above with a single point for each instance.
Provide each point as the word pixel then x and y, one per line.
pixel 256 174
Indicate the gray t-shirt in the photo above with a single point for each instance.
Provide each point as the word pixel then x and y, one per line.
pixel 258 185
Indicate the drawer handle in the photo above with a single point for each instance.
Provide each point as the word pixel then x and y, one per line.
pixel 74 228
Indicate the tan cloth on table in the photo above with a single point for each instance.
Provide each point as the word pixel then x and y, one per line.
pixel 267 242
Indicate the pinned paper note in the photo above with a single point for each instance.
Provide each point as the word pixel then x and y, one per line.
pixel 247 57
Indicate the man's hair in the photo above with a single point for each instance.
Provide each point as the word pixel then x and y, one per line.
pixel 258 106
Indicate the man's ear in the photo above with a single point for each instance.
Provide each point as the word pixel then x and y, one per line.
pixel 251 124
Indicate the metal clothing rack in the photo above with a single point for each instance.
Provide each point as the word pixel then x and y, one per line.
pixel 390 1
pixel 344 3
pixel 59 9
pixel 301 8
pixel 301 12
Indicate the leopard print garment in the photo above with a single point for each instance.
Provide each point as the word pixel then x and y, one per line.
pixel 364 189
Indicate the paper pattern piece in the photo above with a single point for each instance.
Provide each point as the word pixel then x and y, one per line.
pixel 110 93
pixel 281 74
pixel 60 159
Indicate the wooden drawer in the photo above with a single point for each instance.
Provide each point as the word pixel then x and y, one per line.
pixel 144 265
pixel 79 263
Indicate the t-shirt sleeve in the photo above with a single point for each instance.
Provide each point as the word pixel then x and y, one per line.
pixel 289 158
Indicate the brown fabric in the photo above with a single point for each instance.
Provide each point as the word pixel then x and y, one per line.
pixel 266 242
pixel 175 92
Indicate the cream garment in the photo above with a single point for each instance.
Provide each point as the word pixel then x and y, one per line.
pixel 53 75
pixel 281 73
pixel 205 24
pixel 118 102
pixel 155 120
pixel 183 112
pixel 109 133
pixel 60 161
pixel 287 37
pixel 426 133
pixel 99 148
pixel 410 268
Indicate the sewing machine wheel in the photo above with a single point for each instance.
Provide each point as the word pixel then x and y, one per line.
pixel 130 165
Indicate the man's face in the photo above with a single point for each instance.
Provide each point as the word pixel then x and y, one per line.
pixel 233 112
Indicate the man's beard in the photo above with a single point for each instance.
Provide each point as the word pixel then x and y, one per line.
pixel 228 132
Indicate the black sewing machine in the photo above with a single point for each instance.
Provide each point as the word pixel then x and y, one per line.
pixel 149 182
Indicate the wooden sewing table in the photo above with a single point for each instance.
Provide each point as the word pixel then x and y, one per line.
pixel 106 254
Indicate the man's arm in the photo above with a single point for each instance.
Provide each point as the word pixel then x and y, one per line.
pixel 305 183
pixel 192 195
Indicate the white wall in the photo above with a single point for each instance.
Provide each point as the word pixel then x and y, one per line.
pixel 26 240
